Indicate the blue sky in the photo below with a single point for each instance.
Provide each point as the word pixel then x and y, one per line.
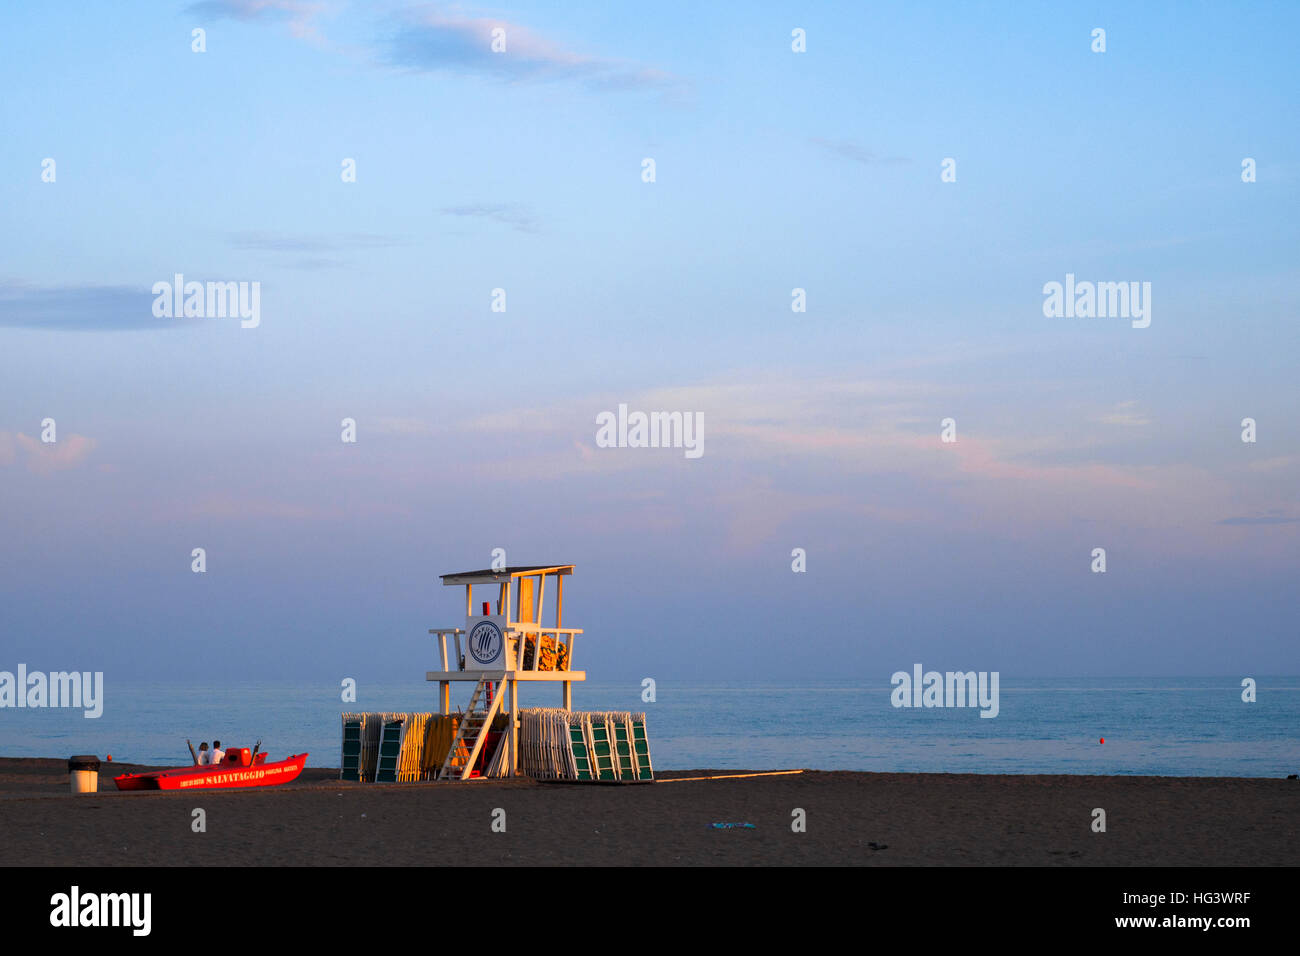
pixel 476 430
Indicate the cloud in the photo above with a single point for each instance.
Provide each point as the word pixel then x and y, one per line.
pixel 855 425
pixel 273 242
pixel 224 506
pixel 81 308
pixel 315 264
pixel 1125 413
pixel 1268 519
pixel 847 149
pixel 429 40
pixel 300 15
pixel 997 461
pixel 313 252
pixel 1273 464
pixel 42 458
pixel 228 506
pixel 871 432
pixel 400 426
pixel 515 215
pixel 261 242
pixel 758 511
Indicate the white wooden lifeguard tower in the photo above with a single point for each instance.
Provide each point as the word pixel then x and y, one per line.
pixel 502 646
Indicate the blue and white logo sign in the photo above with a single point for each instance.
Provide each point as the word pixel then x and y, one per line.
pixel 487 643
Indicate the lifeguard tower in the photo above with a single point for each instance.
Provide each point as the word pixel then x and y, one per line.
pixel 502 643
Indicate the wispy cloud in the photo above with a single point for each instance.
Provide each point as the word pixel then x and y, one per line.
pixel 1274 464
pixel 875 432
pixel 402 426
pixel 430 39
pixel 81 308
pixel 515 215
pixel 314 252
pixel 237 507
pixel 1125 413
pixel 245 507
pixel 847 149
pixel 859 426
pixel 299 15
pixel 1266 519
pixel 273 242
pixel 42 457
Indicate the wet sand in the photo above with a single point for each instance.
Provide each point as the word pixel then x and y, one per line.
pixel 852 819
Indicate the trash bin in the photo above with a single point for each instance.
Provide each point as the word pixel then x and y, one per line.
pixel 84 772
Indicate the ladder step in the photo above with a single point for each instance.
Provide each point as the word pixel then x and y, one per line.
pixel 470 734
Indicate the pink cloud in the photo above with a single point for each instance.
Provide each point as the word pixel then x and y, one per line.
pixel 228 507
pixel 980 458
pixel 42 457
pixel 300 15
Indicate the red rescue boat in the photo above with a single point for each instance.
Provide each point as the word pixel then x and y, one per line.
pixel 241 771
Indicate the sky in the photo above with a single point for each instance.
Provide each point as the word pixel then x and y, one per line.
pixel 774 170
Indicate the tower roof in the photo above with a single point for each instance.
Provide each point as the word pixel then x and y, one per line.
pixel 503 575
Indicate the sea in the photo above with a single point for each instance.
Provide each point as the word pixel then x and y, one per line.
pixel 1185 727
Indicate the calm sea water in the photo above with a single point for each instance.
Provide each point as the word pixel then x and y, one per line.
pixel 1163 726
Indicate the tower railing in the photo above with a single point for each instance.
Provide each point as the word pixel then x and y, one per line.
pixel 525 628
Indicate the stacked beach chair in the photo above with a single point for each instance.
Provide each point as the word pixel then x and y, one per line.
pixel 395 748
pixel 554 744
pixel 411 748
pixel 390 748
pixel 544 749
pixel 584 746
pixel 360 746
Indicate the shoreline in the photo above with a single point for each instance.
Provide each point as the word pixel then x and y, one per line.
pixel 852 818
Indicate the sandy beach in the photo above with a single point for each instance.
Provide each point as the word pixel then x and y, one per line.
pixel 876 819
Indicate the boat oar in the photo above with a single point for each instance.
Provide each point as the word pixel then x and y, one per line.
pixel 192 753
pixel 256 747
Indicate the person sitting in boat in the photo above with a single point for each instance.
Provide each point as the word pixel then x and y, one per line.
pixel 205 758
pixel 217 752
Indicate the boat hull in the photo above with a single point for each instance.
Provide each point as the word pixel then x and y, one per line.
pixel 219 777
